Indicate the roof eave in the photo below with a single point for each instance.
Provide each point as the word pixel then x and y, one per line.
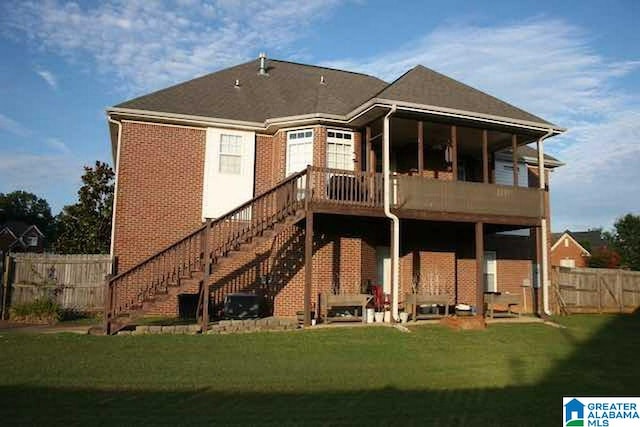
pixel 548 162
pixel 470 115
pixel 279 122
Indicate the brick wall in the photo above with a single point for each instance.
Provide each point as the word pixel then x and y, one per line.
pixel 159 188
pixel 572 251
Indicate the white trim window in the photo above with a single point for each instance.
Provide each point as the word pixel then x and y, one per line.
pixel 299 150
pixel 230 154
pixel 31 241
pixel 340 150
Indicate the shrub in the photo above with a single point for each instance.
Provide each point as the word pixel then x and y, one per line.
pixel 38 311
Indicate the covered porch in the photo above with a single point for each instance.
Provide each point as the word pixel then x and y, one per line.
pixel 441 265
pixel 417 167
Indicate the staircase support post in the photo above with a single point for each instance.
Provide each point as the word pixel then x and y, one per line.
pixel 480 269
pixel 206 271
pixel 308 249
pixel 108 304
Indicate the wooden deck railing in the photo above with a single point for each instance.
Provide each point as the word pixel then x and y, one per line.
pixel 419 193
pixel 363 189
pixel 342 187
pixel 203 246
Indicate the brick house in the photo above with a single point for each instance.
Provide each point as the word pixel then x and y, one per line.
pixel 573 248
pixel 294 180
pixel 18 236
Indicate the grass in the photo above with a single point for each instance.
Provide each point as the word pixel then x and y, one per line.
pixel 508 374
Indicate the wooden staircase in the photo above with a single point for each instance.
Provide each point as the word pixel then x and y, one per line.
pixel 190 261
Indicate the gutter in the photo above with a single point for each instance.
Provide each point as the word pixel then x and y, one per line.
pixel 334 118
pixel 395 230
pixel 115 187
pixel 543 227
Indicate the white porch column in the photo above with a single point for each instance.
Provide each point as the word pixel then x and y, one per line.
pixel 544 267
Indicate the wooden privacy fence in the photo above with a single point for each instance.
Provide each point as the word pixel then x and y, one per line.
pixel 595 290
pixel 74 281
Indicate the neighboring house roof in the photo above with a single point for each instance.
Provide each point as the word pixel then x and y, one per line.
pixel 556 242
pixel 422 85
pixel 529 156
pixel 290 89
pixel 17 228
pixel 293 89
pixel 592 239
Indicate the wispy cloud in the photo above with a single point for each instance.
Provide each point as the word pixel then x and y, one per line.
pixel 48 77
pixel 148 45
pixel 547 67
pixel 12 126
pixel 36 172
pixel 57 145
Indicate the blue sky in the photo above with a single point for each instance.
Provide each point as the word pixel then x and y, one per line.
pixel 573 63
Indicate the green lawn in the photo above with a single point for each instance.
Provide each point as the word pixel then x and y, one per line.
pixel 506 375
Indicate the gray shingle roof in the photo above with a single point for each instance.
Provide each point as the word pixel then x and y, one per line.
pixel 293 89
pixel 290 89
pixel 422 85
pixel 591 239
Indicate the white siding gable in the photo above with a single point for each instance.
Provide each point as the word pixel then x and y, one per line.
pixel 228 171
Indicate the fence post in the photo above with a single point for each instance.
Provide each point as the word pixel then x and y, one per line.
pixel 620 288
pixel 5 281
pixel 599 289
pixel 108 303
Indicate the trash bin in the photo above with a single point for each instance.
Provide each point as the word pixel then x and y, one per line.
pixel 369 316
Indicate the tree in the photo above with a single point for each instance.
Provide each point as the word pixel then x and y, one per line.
pixel 604 257
pixel 625 239
pixel 85 227
pixel 26 207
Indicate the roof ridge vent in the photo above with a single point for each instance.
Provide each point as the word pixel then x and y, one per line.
pixel 263 64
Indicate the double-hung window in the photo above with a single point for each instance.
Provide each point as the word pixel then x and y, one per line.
pixel 230 154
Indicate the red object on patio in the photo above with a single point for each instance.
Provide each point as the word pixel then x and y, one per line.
pixel 378 297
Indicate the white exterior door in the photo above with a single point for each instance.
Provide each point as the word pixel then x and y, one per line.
pixel 228 171
pixel 340 150
pixel 490 272
pixel 383 256
pixel 299 150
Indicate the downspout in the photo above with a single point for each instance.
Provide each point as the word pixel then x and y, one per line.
pixel 395 227
pixel 115 187
pixel 543 227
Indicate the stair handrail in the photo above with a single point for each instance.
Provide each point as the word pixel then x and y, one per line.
pixel 161 276
pixel 204 226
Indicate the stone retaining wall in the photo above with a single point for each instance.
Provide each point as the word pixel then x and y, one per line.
pixel 221 327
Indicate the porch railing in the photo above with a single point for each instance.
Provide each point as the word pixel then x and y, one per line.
pixel 364 189
pixel 419 193
pixel 343 187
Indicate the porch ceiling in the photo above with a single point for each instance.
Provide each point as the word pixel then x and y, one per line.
pixel 404 131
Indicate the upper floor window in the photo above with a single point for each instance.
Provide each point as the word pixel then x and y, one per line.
pixel 340 149
pixel 299 150
pixel 31 240
pixel 230 154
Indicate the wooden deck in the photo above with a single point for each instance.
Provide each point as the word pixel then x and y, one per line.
pixel 417 197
